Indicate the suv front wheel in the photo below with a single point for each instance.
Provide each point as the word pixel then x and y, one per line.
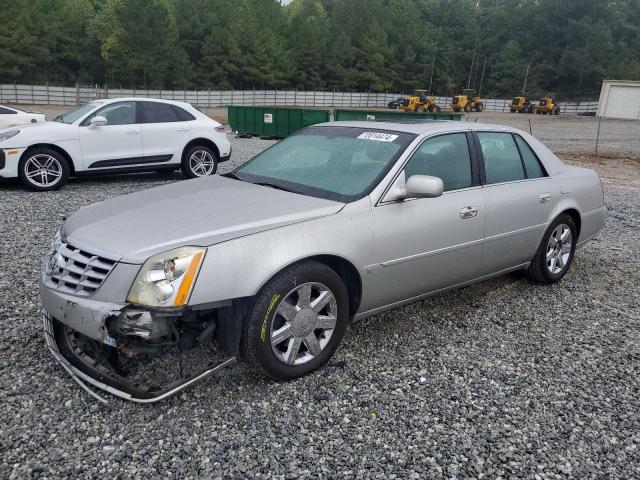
pixel 43 169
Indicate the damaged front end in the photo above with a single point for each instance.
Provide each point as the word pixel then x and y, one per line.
pixel 141 355
pixel 146 347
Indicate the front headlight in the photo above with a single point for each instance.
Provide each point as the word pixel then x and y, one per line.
pixel 7 135
pixel 166 279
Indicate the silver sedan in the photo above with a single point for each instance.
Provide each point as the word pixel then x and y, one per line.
pixel 336 222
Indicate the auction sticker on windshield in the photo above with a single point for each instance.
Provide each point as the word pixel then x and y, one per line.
pixel 378 136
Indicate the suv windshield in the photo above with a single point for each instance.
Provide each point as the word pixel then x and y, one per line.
pixel 76 113
pixel 335 163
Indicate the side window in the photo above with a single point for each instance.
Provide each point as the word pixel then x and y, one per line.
pixel 501 157
pixel 531 163
pixel 183 115
pixel 7 111
pixel 156 112
pixel 446 157
pixel 121 113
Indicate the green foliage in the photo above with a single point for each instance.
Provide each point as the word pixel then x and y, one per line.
pixel 570 45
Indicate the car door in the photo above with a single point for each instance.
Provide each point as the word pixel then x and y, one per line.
pixel 165 130
pixel 519 195
pixel 117 144
pixel 427 244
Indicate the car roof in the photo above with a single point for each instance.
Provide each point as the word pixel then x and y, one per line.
pixel 106 101
pixel 420 127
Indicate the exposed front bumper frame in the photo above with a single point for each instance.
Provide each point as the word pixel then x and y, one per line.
pixel 86 381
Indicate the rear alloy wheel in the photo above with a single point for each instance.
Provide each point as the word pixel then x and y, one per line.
pixel 43 169
pixel 200 161
pixel 555 253
pixel 297 321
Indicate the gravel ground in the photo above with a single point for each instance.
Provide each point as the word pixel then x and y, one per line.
pixel 504 378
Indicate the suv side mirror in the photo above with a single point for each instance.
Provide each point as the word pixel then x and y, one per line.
pixel 98 121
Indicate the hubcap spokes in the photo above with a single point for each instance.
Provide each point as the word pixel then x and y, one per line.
pixel 559 248
pixel 303 323
pixel 43 170
pixel 201 163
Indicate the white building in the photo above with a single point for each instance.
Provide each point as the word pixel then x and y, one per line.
pixel 620 99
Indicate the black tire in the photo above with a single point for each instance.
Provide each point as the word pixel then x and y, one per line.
pixel 209 163
pixel 256 348
pixel 539 270
pixel 56 175
pixel 479 107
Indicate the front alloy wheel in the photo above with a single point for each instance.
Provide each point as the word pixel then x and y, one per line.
pixel 296 322
pixel 304 322
pixel 43 169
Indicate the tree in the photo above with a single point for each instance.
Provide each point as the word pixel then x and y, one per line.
pixel 140 44
pixel 508 71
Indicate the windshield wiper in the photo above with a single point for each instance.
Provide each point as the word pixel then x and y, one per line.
pixel 271 185
pixel 232 175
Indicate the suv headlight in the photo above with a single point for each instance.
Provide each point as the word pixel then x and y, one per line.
pixel 166 279
pixel 7 135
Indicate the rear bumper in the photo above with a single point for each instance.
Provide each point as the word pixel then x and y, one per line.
pixel 224 158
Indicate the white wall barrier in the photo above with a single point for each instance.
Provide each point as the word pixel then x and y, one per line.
pixel 49 95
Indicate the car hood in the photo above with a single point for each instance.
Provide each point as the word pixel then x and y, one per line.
pixel 199 212
pixel 41 131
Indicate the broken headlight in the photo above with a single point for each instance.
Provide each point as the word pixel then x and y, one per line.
pixel 166 279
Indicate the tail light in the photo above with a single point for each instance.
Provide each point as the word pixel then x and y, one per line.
pixel 220 129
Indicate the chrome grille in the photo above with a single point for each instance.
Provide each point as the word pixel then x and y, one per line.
pixel 72 270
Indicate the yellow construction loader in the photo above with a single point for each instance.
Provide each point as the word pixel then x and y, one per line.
pixel 420 102
pixel 467 101
pixel 522 104
pixel 548 106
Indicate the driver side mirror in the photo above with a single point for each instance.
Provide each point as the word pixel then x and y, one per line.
pixel 418 186
pixel 98 121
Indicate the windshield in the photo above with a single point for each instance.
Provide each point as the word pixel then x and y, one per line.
pixel 76 113
pixel 335 163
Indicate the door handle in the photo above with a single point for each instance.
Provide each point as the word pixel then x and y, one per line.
pixel 133 132
pixel 182 129
pixel 469 212
pixel 545 198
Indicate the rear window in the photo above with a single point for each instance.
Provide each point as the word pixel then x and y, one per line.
pixel 157 112
pixel 531 162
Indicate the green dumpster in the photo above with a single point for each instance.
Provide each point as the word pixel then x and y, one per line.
pixel 391 115
pixel 273 121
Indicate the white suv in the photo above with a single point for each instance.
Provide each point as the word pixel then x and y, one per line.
pixel 114 136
